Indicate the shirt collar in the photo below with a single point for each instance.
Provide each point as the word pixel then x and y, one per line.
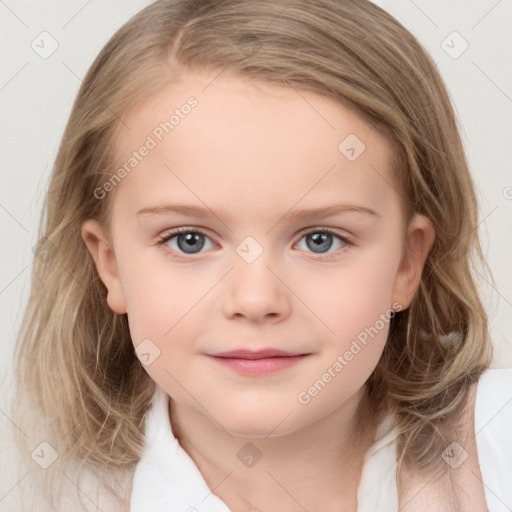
pixel 166 478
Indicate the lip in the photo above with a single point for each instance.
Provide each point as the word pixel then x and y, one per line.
pixel 256 354
pixel 261 362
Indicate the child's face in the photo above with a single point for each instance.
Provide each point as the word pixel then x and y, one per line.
pixel 253 155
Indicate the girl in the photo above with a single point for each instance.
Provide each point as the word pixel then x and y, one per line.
pixel 258 294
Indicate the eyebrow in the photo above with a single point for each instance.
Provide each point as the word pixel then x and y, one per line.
pixel 306 214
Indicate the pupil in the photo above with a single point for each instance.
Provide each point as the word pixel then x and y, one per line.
pixel 319 240
pixel 192 241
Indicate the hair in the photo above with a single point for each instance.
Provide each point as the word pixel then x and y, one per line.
pixel 77 376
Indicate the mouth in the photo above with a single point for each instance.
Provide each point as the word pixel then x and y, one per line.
pixel 261 362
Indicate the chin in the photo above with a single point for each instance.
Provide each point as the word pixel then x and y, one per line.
pixel 260 423
pixel 256 431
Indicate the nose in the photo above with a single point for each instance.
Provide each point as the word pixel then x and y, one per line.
pixel 256 291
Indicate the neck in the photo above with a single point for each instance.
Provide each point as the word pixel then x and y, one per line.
pixel 281 472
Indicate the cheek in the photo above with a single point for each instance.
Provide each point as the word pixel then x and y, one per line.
pixel 342 313
pixel 347 300
pixel 159 292
pixel 352 309
pixel 165 304
pixel 160 307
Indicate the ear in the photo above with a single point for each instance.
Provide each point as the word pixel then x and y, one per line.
pixel 419 239
pixel 97 242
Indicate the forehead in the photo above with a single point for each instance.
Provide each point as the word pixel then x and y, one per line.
pixel 249 146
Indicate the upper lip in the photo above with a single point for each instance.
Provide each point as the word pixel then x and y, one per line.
pixel 258 354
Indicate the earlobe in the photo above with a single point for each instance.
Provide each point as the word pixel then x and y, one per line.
pixel 94 236
pixel 419 239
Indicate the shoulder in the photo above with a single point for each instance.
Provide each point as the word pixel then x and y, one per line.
pixel 493 428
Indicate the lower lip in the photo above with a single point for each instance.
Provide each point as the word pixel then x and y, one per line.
pixel 259 366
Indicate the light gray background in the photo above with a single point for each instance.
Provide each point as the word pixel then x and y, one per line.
pixel 37 94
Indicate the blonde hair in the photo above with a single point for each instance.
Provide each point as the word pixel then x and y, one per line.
pixel 77 374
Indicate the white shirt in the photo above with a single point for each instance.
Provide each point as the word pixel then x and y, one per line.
pixel 166 479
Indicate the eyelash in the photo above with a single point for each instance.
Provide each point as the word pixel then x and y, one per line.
pixel 164 239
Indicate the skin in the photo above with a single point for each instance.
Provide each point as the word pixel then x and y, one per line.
pixel 255 153
pixel 457 488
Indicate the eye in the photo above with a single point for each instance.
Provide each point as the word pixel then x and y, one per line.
pixel 321 240
pixel 185 242
pixel 188 241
